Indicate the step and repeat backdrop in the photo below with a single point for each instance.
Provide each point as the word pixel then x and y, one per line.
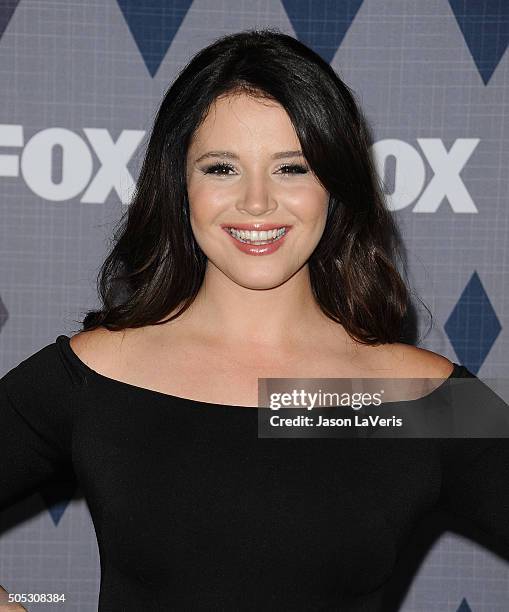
pixel 81 81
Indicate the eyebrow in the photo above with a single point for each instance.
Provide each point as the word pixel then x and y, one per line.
pixel 230 155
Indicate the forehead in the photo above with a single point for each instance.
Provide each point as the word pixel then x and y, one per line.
pixel 243 119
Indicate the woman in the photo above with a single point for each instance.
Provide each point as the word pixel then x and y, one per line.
pixel 258 244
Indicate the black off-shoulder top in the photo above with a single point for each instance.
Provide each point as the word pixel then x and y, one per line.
pixel 194 511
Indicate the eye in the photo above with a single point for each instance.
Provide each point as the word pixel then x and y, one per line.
pixel 294 169
pixel 215 167
pixel 222 169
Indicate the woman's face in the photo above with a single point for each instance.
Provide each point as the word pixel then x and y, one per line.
pixel 244 171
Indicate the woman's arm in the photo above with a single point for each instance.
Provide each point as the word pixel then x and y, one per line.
pixel 35 424
pixel 477 489
pixel 27 458
pixel 475 470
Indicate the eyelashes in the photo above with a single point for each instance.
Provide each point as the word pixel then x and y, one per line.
pixel 214 168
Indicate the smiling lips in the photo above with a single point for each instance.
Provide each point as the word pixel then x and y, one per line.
pixel 257 238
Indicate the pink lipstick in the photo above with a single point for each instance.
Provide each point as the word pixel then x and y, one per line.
pixel 257 238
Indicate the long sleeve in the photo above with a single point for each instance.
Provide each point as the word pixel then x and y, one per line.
pixel 475 471
pixel 35 423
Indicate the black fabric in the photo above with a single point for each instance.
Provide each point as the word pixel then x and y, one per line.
pixel 193 511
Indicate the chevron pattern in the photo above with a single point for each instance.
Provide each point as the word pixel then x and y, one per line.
pixel 473 324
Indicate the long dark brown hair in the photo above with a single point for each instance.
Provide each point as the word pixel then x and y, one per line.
pixel 155 264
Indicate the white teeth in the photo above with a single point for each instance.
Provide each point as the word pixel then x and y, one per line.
pixel 256 236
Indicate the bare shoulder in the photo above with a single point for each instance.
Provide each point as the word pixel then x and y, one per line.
pixel 98 348
pixel 408 361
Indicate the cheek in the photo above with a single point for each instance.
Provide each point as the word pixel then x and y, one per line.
pixel 310 206
pixel 205 198
pixel 203 207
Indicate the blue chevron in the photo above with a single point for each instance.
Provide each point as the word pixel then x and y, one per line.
pixel 321 25
pixel 473 326
pixel 7 8
pixel 464 607
pixel 56 496
pixel 153 25
pixel 485 28
pixel 57 510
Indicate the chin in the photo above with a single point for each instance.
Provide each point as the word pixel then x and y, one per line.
pixel 259 282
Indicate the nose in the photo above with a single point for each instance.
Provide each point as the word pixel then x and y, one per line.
pixel 256 198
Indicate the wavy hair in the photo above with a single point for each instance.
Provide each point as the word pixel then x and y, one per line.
pixel 155 265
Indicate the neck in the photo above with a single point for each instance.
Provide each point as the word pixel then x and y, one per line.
pixel 279 317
